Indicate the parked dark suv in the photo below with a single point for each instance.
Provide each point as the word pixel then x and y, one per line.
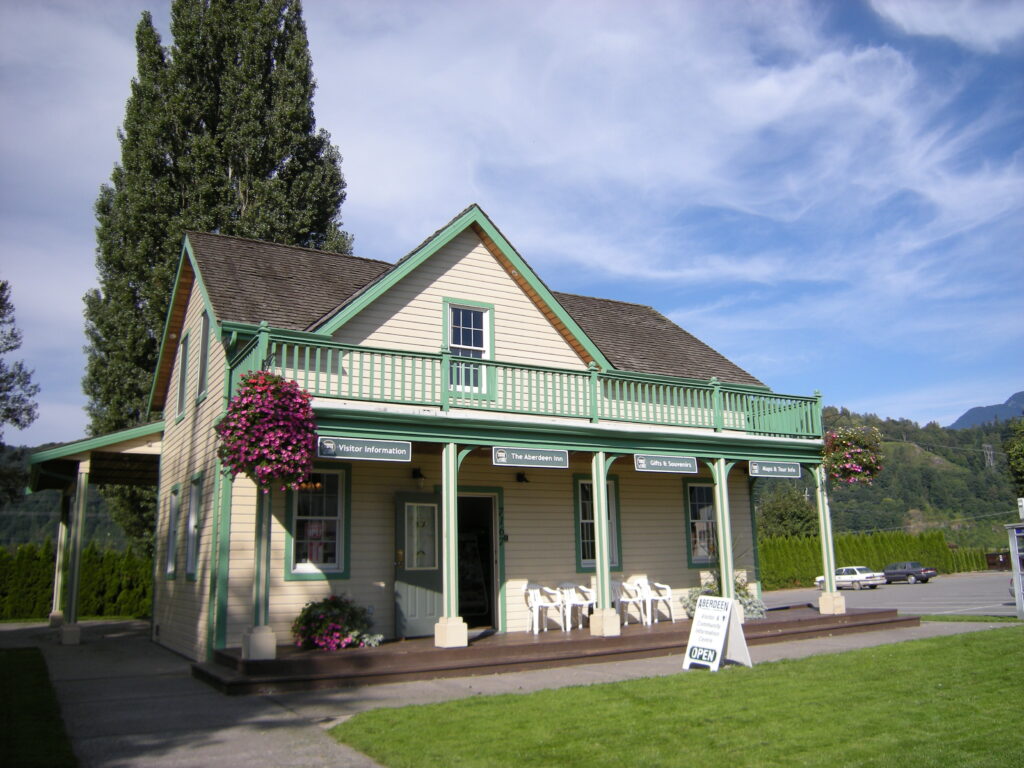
pixel 910 572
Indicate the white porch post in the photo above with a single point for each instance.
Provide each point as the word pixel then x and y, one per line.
pixel 723 527
pixel 604 622
pixel 830 601
pixel 71 633
pixel 56 614
pixel 450 631
pixel 259 641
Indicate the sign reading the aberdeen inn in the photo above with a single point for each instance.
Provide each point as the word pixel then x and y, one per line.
pixel 363 450
pixel 652 462
pixel 503 456
pixel 774 469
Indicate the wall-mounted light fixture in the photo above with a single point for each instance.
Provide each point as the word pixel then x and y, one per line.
pixel 418 476
pixel 521 477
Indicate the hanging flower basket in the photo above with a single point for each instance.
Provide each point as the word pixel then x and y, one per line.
pixel 269 432
pixel 853 454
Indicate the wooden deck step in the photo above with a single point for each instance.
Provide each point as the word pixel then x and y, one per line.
pixel 418 659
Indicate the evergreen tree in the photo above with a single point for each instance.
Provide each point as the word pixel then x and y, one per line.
pixel 786 511
pixel 17 393
pixel 218 135
pixel 1014 447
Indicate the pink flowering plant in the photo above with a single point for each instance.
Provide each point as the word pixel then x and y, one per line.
pixel 332 624
pixel 269 432
pixel 853 454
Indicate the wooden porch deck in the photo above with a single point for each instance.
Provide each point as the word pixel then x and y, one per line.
pixel 490 653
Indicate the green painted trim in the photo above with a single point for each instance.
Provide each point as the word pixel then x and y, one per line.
pixel 577 478
pixel 203 373
pixel 472 215
pixel 345 470
pixel 94 443
pixel 753 529
pixel 170 558
pixel 491 382
pixel 498 494
pixel 687 483
pixel 223 559
pixel 197 478
pixel 182 379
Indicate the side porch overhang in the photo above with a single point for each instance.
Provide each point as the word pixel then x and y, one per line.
pixel 127 457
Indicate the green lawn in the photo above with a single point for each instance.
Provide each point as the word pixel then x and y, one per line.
pixel 31 729
pixel 950 701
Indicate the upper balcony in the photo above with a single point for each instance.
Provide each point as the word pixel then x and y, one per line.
pixel 331 370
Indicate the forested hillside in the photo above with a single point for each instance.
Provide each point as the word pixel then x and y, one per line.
pixel 934 477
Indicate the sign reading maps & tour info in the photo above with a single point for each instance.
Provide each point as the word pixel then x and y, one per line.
pixel 774 469
pixel 503 456
pixel 716 635
pixel 356 449
pixel 652 462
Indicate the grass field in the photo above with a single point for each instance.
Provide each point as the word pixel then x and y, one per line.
pixel 952 702
pixel 31 729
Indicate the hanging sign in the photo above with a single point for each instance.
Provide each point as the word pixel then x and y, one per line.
pixel 503 456
pixel 716 635
pixel 652 462
pixel 363 450
pixel 774 469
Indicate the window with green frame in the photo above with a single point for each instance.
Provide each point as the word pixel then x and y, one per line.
pixel 182 375
pixel 317 539
pixel 171 553
pixel 195 501
pixel 586 533
pixel 204 355
pixel 469 333
pixel 701 528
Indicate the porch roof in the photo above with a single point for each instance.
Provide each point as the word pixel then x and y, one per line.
pixel 127 457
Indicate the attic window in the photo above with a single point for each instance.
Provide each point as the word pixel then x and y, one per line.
pixel 468 336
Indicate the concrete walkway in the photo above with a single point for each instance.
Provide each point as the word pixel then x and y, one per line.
pixel 127 702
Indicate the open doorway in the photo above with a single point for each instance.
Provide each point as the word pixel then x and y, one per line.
pixel 476 561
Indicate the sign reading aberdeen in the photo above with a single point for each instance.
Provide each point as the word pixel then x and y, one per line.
pixel 504 456
pixel 363 450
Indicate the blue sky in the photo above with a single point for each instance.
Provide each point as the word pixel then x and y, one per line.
pixel 831 194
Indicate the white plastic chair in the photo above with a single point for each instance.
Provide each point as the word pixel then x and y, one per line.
pixel 575 596
pixel 627 594
pixel 540 599
pixel 656 592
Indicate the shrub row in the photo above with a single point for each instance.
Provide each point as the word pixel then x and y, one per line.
pixel 111 583
pixel 795 561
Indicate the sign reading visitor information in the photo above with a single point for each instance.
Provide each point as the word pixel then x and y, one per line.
pixel 503 456
pixel 774 469
pixel 716 635
pixel 652 462
pixel 363 450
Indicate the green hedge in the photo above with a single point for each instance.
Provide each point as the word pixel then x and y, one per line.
pixel 795 561
pixel 111 583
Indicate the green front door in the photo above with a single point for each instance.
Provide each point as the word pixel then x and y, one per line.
pixel 418 588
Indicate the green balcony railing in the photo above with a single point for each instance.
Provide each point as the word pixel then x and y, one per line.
pixel 331 370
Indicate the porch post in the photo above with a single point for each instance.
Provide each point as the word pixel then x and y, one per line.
pixel 259 640
pixel 723 528
pixel 604 621
pixel 56 614
pixel 450 631
pixel 830 601
pixel 71 633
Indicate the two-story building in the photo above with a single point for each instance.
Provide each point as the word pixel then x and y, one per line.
pixel 477 431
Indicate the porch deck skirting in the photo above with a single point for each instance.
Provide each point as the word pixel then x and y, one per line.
pixel 419 659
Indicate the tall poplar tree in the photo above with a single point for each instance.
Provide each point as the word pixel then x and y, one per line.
pixel 218 135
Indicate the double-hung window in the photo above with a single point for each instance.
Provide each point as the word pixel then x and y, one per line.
pixel 204 355
pixel 701 531
pixel 195 500
pixel 468 337
pixel 182 375
pixel 171 559
pixel 318 524
pixel 586 529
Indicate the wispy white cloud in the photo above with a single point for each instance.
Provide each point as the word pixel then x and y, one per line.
pixel 983 25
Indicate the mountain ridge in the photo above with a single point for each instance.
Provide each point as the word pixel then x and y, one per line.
pixel 1013 408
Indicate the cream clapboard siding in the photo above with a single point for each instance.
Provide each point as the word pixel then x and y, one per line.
pixel 539 520
pixel 189 447
pixel 410 316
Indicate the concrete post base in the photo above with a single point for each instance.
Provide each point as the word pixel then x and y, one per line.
pixel 70 634
pixel 56 619
pixel 831 603
pixel 451 632
pixel 604 622
pixel 259 643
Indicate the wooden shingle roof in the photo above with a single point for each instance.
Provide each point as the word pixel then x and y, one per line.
pixel 297 288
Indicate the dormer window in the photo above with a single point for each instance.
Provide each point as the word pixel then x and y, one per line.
pixel 469 335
